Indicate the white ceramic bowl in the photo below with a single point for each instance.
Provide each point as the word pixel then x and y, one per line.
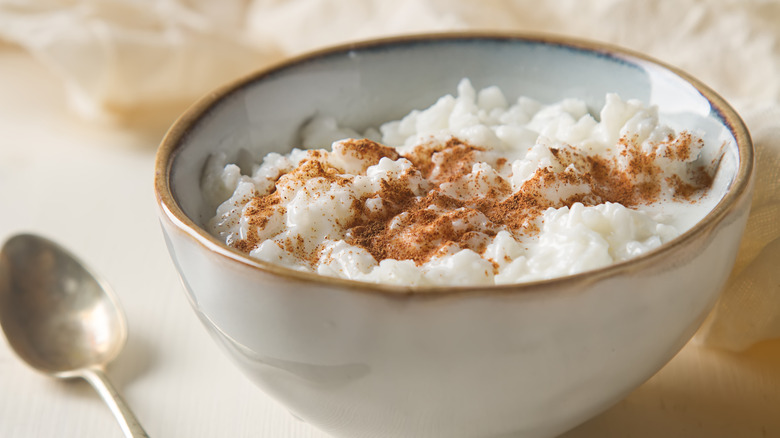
pixel 526 360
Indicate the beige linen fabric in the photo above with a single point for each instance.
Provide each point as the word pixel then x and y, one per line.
pixel 118 57
pixel 749 309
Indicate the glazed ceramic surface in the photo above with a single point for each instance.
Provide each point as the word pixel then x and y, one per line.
pixel 528 360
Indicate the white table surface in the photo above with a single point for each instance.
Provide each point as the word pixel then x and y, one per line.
pixel 89 186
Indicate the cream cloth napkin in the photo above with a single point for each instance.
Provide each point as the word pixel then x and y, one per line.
pixel 119 57
pixel 116 57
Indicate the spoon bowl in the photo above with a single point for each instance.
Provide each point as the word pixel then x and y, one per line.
pixel 62 319
pixel 57 315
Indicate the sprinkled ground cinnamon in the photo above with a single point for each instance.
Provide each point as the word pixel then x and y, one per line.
pixel 417 228
pixel 367 151
pixel 258 211
pixel 472 184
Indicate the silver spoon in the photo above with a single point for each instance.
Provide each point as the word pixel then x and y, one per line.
pixel 61 319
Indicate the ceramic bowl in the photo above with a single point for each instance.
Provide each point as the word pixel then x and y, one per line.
pixel 526 360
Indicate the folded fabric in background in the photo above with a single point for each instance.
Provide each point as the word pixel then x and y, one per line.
pixel 120 57
pixel 749 308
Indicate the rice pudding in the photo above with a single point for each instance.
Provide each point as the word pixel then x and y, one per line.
pixel 471 190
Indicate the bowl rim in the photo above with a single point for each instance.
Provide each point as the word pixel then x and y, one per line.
pixel 180 129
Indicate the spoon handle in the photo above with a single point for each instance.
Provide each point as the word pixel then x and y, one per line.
pixel 127 420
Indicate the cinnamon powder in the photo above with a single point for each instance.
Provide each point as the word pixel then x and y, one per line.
pixel 417 228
